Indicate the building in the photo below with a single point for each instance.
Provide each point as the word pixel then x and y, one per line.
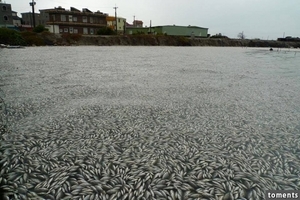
pixel 121 22
pixel 181 30
pixel 6 16
pixel 186 31
pixel 17 21
pixel 27 19
pixel 60 20
pixel 137 23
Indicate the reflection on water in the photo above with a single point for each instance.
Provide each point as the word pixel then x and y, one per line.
pixel 153 122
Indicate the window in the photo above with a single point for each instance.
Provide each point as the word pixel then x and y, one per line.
pixel 60 30
pixel 85 31
pixel 91 20
pixel 5 18
pixel 92 31
pixel 119 20
pixel 63 18
pixel 84 19
pixel 74 19
pixel 75 30
pixel 3 7
pixel 66 30
pixel 71 29
pixel 70 18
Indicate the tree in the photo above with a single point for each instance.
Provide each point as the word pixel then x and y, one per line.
pixel 39 29
pixel 241 35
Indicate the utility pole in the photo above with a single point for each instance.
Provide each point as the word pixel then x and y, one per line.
pixel 33 16
pixel 30 19
pixel 133 20
pixel 116 18
pixel 53 18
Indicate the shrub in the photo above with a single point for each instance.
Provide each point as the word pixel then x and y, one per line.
pixel 218 36
pixel 106 31
pixel 39 29
pixel 32 38
pixel 11 37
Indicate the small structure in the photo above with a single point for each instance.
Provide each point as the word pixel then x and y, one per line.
pixel 137 23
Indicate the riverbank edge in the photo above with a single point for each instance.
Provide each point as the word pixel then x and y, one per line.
pixel 153 40
pixel 49 39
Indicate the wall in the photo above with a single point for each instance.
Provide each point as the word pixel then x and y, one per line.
pixel 27 19
pixel 137 30
pixel 5 11
pixel 184 31
pixel 120 22
pixel 52 28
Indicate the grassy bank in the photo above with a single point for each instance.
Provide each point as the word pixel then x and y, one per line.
pixel 12 37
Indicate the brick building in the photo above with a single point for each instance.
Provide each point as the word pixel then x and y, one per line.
pixel 60 20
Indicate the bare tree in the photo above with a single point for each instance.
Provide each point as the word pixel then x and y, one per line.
pixel 241 35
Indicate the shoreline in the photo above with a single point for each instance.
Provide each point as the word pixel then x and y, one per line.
pixel 49 39
pixel 151 40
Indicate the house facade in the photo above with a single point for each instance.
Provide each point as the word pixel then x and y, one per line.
pixel 60 20
pixel 27 19
pixel 17 21
pixel 121 23
pixel 6 16
pixel 137 23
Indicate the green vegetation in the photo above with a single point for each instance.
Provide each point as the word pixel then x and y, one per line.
pixel 219 35
pixel 11 37
pixel 106 31
pixel 139 33
pixel 32 38
pixel 39 29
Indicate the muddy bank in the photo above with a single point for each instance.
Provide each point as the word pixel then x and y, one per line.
pixel 145 40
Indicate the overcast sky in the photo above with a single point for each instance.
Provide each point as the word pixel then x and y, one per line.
pixel 265 19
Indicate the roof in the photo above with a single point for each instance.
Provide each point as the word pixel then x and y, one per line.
pixel 181 26
pixel 72 10
pixel 16 18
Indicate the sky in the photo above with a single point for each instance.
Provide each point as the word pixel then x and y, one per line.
pixel 264 19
